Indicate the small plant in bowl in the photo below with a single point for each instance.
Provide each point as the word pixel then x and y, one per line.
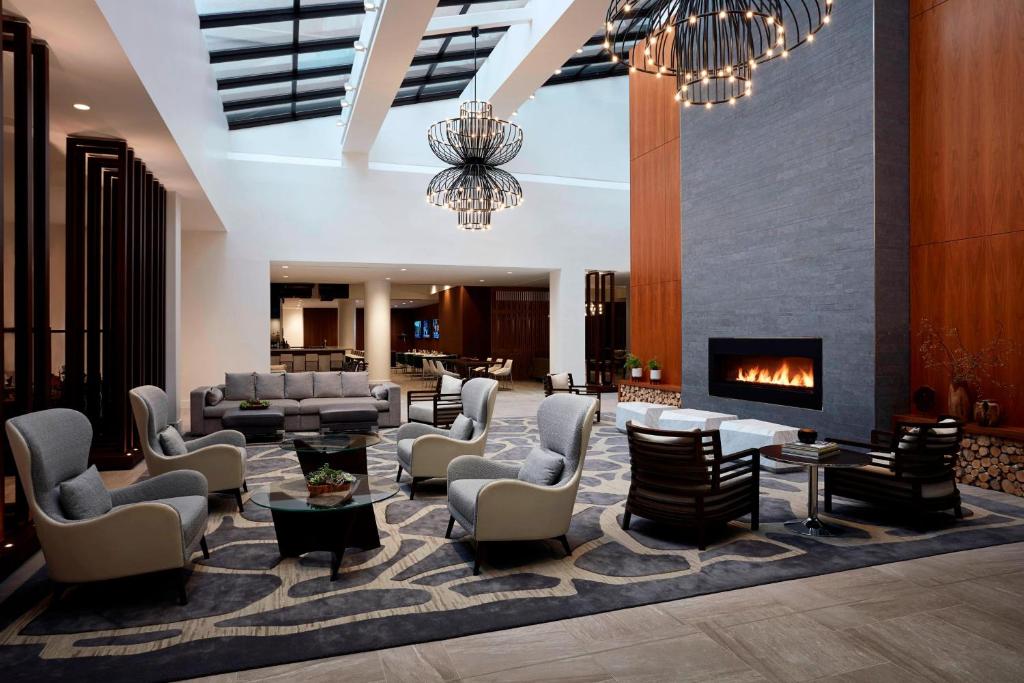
pixel 254 405
pixel 326 479
pixel 635 366
pixel 655 367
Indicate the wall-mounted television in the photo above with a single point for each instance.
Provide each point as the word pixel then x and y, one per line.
pixel 437 330
pixel 417 329
pixel 426 329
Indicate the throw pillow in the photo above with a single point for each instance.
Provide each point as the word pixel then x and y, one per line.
pixel 214 395
pixel 327 384
pixel 240 386
pixel 462 428
pixel 560 381
pixel 541 468
pixel 269 385
pixel 298 385
pixel 85 496
pixel 380 392
pixel 171 442
pixel 451 385
pixel 355 384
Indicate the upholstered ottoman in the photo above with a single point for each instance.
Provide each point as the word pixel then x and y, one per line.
pixel 738 435
pixel 257 425
pixel 352 418
pixel 687 419
pixel 642 413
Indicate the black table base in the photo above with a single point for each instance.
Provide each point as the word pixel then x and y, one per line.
pixel 301 532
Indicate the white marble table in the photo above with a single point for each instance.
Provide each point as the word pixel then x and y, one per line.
pixel 738 435
pixel 642 413
pixel 688 419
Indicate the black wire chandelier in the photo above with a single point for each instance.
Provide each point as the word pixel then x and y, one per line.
pixel 475 144
pixel 711 47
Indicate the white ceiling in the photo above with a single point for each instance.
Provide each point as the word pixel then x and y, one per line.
pixel 346 273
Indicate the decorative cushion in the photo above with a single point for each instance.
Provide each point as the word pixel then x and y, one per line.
pixel 422 412
pixel 269 385
pixel 85 496
pixel 560 381
pixel 380 392
pixel 171 442
pixel 541 468
pixel 462 428
pixel 355 384
pixel 214 395
pixel 451 385
pixel 298 385
pixel 240 386
pixel 327 385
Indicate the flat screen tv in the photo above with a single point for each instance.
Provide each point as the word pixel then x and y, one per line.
pixel 437 330
pixel 417 328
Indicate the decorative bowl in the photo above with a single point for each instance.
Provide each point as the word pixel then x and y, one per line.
pixel 807 436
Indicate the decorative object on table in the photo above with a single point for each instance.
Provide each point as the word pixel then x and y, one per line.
pixel 325 480
pixel 967 369
pixel 254 405
pixel 475 144
pixel 807 435
pixel 655 367
pixel 711 47
pixel 814 451
pixel 987 413
pixel 635 367
pixel 924 399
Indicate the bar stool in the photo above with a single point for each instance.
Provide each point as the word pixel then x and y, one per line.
pixel 312 359
pixel 288 361
pixel 337 361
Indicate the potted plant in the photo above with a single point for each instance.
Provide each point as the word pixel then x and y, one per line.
pixel 655 367
pixel 634 366
pixel 326 480
pixel 254 405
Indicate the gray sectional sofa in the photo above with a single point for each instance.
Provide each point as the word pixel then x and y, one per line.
pixel 302 395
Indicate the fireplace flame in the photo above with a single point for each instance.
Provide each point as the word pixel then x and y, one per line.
pixel 781 375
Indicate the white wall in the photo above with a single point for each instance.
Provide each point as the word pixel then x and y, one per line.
pixel 292 325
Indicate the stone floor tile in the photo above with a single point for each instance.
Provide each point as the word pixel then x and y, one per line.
pixel 695 657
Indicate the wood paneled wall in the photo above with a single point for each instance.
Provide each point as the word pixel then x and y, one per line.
pixel 320 326
pixel 655 249
pixel 967 181
pixel 519 326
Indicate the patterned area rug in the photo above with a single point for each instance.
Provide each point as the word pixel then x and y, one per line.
pixel 250 608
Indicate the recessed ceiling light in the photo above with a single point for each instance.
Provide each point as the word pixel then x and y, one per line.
pixel 404 269
pixel 483 281
pixel 285 267
pixel 81 107
pixel 509 272
pixel 387 278
pixel 285 277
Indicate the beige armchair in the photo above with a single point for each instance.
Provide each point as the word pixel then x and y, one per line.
pixel 489 499
pixel 425 451
pixel 152 526
pixel 220 457
pixel 503 374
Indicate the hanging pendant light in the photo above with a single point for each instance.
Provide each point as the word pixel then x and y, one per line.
pixel 475 144
pixel 711 47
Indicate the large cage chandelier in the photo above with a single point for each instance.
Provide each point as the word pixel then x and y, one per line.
pixel 475 144
pixel 711 47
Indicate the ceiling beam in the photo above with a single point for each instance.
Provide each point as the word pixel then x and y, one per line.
pixel 529 54
pixel 392 39
pixel 439 26
pixel 290 13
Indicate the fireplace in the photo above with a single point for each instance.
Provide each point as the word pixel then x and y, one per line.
pixel 780 371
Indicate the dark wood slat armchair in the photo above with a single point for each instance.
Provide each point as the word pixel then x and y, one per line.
pixel 562 383
pixel 682 478
pixel 432 407
pixel 911 468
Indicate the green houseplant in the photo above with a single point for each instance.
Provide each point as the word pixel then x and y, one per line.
pixel 635 366
pixel 325 480
pixel 655 367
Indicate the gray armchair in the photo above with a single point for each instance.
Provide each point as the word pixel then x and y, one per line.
pixel 425 451
pixel 152 526
pixel 220 457
pixel 489 500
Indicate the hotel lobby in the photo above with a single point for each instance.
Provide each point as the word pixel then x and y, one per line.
pixel 298 384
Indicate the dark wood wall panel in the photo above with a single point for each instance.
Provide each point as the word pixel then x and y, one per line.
pixel 519 326
pixel 320 327
pixel 967 181
pixel 655 224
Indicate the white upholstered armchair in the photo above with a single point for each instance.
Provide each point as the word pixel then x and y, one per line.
pixel 220 457
pixel 500 501
pixel 425 451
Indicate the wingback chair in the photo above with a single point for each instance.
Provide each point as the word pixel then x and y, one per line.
pixel 152 526
pixel 425 451
pixel 220 457
pixel 911 468
pixel 683 479
pixel 493 501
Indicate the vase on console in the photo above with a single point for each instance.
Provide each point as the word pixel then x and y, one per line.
pixel 958 401
pixel 987 413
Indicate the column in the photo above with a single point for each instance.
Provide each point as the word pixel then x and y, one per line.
pixel 377 324
pixel 567 323
pixel 173 306
pixel 346 323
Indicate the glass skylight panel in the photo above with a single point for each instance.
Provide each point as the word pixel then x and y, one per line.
pixel 331 27
pixel 316 60
pixel 308 84
pixel 251 66
pixel 220 6
pixel 333 104
pixel 252 35
pixel 253 91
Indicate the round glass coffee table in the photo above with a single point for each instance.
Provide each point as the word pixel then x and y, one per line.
pixel 813 526
pixel 331 522
pixel 341 451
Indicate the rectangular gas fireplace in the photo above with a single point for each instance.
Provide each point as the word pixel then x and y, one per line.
pixel 782 371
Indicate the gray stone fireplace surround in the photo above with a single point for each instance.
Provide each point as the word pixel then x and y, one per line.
pixel 795 220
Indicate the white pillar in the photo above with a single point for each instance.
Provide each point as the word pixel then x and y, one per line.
pixel 377 328
pixel 172 306
pixel 346 323
pixel 567 322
